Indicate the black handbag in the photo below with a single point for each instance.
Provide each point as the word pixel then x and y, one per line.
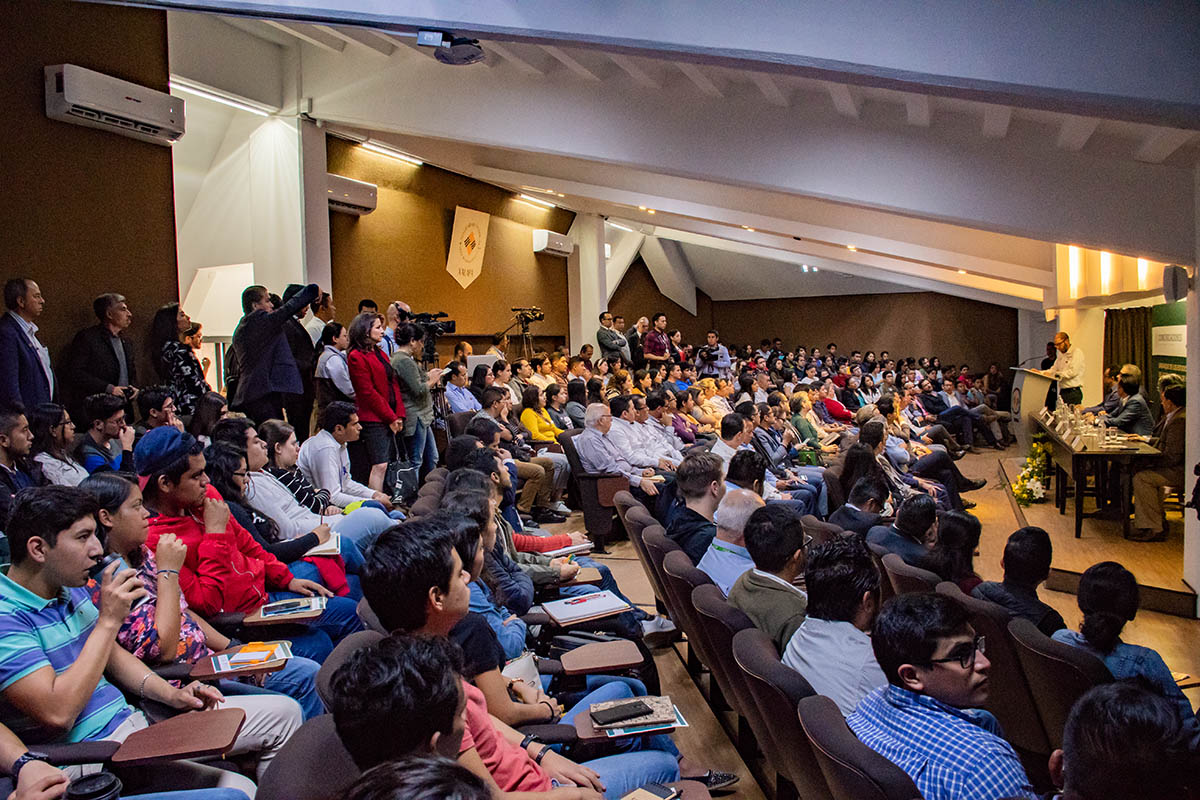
pixel 401 480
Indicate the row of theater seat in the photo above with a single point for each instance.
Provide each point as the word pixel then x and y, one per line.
pixel 809 751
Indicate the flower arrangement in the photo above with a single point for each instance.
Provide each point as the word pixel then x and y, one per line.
pixel 1030 487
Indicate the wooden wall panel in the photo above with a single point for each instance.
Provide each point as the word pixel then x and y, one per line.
pixel 398 252
pixel 84 211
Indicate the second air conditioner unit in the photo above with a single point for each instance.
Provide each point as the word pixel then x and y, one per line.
pixel 350 196
pixel 552 243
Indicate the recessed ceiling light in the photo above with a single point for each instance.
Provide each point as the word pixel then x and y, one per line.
pixel 805 267
pixel 962 272
pixel 390 152
pixel 537 201
pixel 748 228
pixel 816 270
pixel 641 208
pixel 649 210
pixel 851 247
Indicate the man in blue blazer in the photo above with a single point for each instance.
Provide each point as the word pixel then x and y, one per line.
pixel 26 378
pixel 1134 413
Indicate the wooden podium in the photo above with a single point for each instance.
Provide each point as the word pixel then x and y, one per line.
pixel 1028 396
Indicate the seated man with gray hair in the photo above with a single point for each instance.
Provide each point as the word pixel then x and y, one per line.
pixel 598 454
pixel 727 557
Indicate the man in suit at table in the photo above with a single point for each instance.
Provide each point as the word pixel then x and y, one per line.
pixel 100 359
pixel 1148 483
pixel 25 375
pixel 861 510
pixel 1134 414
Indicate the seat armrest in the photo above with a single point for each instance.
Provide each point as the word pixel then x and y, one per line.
pixel 551 733
pixel 537 618
pixel 97 752
pixel 227 622
pixel 173 672
pixel 608 487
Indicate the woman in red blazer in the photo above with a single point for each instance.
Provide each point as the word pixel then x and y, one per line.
pixel 376 393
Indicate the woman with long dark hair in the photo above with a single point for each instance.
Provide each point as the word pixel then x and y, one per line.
pixel 53 440
pixel 1108 596
pixel 556 405
pixel 376 394
pixel 859 463
pixel 226 468
pixel 958 539
pixel 161 630
pixel 175 361
pixel 481 378
pixel 535 418
pixel 210 409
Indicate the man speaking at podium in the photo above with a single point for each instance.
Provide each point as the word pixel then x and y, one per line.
pixel 1067 370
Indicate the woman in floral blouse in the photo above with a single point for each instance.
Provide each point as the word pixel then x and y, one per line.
pixel 176 362
pixel 162 630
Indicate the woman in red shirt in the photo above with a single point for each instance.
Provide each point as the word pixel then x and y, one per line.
pixel 376 393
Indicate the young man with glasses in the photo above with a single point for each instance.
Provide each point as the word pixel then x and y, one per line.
pixel 928 720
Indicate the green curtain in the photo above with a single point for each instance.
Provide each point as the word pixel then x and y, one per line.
pixel 1127 340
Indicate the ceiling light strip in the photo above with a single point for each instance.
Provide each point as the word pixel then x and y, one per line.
pixel 390 152
pixel 187 87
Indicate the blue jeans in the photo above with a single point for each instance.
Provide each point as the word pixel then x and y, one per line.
pixel 297 680
pixel 816 479
pixel 643 759
pixel 362 525
pixel 612 687
pixel 339 620
pixel 422 448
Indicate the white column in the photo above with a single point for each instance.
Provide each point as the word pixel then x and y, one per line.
pixel 587 285
pixel 1191 526
pixel 315 212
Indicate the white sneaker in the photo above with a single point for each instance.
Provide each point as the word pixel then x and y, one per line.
pixel 657 624
pixel 559 507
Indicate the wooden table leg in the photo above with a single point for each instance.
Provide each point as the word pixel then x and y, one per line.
pixel 1080 483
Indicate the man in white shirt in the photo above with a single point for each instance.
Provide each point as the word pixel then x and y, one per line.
pixel 660 424
pixel 727 557
pixel 325 461
pixel 631 438
pixel 1067 370
pixel 323 311
pixel 832 648
pixel 599 454
pixel 457 394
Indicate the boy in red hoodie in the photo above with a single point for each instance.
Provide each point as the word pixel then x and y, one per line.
pixel 225 569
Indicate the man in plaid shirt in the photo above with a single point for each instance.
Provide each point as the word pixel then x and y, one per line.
pixel 928 719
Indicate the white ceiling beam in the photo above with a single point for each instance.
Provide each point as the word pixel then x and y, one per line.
pixel 844 100
pixel 769 88
pixel 1160 143
pixel 697 76
pixel 310 34
pixel 1075 132
pixel 379 45
pixel 895 254
pixel 919 109
pixel 995 121
pixel 634 71
pixel 570 63
pixel 506 52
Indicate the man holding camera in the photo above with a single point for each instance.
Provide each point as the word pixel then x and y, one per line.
pixel 712 360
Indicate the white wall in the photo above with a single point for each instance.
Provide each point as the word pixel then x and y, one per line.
pixel 245 207
pixel 1032 334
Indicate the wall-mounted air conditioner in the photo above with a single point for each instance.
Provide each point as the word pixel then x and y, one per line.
pixel 85 97
pixel 350 196
pixel 552 243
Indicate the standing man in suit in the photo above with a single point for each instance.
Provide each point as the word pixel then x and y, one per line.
pixel 861 510
pixel 612 343
pixel 100 359
pixel 1168 471
pixel 299 406
pixel 25 375
pixel 266 368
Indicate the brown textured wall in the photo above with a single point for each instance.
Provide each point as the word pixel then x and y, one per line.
pixel 398 252
pixel 916 323
pixel 84 211
pixel 638 296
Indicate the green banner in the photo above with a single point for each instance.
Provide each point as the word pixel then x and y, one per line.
pixel 1168 351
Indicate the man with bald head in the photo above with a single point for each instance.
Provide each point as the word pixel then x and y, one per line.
pixel 727 557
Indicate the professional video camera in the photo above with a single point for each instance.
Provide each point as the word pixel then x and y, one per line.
pixel 434 323
pixel 529 314
pixel 707 353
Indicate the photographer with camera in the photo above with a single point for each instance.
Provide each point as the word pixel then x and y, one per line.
pixel 416 385
pixel 712 360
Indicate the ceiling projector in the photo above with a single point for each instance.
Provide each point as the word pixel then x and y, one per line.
pixel 450 49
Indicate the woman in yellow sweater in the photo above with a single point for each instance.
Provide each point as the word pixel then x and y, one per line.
pixel 535 417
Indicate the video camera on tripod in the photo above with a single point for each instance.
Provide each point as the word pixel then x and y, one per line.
pixel 434 324
pixel 528 314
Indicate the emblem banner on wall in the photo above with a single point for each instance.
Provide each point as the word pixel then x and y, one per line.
pixel 467 245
